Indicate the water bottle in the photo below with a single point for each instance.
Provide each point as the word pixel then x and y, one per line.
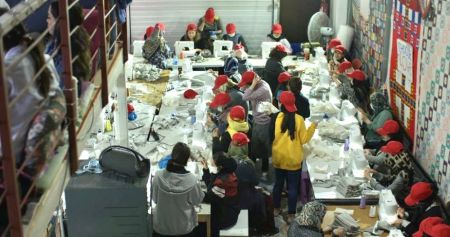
pixel 175 64
pixel 362 202
pixel 347 144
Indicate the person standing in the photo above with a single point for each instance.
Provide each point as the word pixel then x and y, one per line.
pixel 274 67
pixel 176 193
pixel 289 134
pixel 256 92
pixel 301 102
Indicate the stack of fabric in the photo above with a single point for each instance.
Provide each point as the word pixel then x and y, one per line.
pixel 347 222
pixel 348 187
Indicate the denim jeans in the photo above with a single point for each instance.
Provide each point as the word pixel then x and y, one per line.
pixel 293 179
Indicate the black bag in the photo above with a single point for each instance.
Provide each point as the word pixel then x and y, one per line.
pixel 125 161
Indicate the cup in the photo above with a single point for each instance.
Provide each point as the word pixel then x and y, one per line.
pixel 372 211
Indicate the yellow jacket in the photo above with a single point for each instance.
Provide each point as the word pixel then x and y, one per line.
pixel 287 154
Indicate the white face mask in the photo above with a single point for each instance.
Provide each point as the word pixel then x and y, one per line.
pixel 220 109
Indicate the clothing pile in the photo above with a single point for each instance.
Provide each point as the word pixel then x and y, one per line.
pixel 322 149
pixel 348 187
pixel 145 71
pixel 333 129
pixel 347 222
pixel 324 108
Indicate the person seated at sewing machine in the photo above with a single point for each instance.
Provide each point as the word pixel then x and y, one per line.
pixel 222 193
pixel 236 122
pixel 176 193
pixel 276 35
pixel 433 227
pixel 397 173
pixel 421 203
pixel 235 37
pixel 337 59
pixel 192 35
pixel 354 87
pixel 274 67
pixel 236 63
pixel 330 48
pixel 380 113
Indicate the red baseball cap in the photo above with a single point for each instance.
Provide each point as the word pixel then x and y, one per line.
pixel 427 224
pixel 240 139
pixel 339 48
pixel 238 47
pixel 344 66
pixel 237 113
pixel 356 63
pixel 287 99
pixel 389 127
pixel 439 230
pixel 392 147
pixel 130 108
pixel 231 28
pixel 284 77
pixel 247 78
pixel 419 192
pixel 190 94
pixel 210 14
pixel 277 29
pixel 220 99
pixel 357 75
pixel 220 80
pixel 161 26
pixel 281 48
pixel 149 31
pixel 333 43
pixel 191 27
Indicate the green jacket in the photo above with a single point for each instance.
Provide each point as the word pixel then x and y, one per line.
pixel 377 122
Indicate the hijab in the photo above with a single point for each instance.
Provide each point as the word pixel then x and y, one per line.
pixel 312 214
pixel 236 126
pixel 154 43
pixel 378 102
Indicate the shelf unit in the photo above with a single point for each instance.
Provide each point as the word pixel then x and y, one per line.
pixel 113 53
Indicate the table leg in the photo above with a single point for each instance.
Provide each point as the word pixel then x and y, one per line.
pixel 208 226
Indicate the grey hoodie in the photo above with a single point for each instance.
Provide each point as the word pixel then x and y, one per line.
pixel 176 196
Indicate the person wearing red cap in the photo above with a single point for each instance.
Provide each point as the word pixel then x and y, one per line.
pixel 380 113
pixel 330 48
pixel 155 49
pixel 397 173
pixel 256 92
pixel 239 52
pixel 237 122
pixel 289 134
pixel 283 80
pixel 192 35
pixel 337 59
pixel 426 225
pixel 210 27
pixel 354 87
pixel 420 204
pixel 439 230
pixel 357 64
pixel 301 102
pixel 274 67
pixel 237 38
pixel 276 35
pixel 148 32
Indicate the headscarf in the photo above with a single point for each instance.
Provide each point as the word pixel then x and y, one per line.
pixel 312 214
pixel 154 43
pixel 378 102
pixel 236 126
pixel 399 165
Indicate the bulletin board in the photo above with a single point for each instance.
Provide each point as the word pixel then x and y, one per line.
pixel 403 62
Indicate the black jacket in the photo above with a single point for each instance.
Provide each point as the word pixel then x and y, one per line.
pixel 302 104
pixel 417 215
pixel 272 70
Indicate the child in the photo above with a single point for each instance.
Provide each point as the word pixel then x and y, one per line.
pixel 236 64
pixel 237 122
pixel 233 36
pixel 222 193
pixel 276 35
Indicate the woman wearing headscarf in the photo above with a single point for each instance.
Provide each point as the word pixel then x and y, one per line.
pixel 381 112
pixel 397 173
pixel 309 222
pixel 155 49
pixel 222 193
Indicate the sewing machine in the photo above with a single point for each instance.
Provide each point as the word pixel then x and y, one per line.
pixel 222 48
pixel 186 46
pixel 387 210
pixel 266 47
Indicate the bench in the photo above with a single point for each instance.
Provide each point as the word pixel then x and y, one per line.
pixel 241 227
